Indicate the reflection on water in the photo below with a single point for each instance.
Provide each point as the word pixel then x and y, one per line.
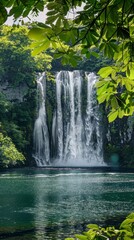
pixel 52 204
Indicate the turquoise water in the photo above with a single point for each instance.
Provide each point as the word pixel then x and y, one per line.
pixel 53 204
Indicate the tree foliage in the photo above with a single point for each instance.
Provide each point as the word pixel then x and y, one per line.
pixel 107 25
pixel 16 63
pixel 18 71
pixel 18 8
pixel 9 155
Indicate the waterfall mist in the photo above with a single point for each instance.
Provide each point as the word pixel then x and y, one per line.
pixel 75 129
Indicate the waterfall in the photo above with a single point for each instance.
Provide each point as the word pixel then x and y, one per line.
pixel 93 148
pixel 41 136
pixel 75 130
pixel 70 140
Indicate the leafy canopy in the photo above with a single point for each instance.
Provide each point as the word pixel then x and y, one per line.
pixel 18 8
pixel 107 25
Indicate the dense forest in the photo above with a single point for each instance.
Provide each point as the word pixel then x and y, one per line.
pixel 18 105
pixel 18 94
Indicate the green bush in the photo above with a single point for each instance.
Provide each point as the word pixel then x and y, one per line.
pixel 9 155
pixel 125 231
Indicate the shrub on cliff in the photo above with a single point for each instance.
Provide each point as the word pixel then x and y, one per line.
pixel 9 155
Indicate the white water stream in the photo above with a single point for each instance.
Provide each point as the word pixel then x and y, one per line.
pixel 76 136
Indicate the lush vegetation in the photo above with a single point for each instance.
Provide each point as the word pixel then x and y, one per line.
pixel 96 32
pixel 106 25
pixel 16 63
pixel 8 152
pixel 125 231
pixel 18 90
pixel 18 94
pixel 18 112
pixel 101 26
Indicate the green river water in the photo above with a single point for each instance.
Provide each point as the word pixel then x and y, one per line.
pixel 56 203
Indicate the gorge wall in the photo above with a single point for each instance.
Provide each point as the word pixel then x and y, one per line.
pixel 19 110
pixel 68 100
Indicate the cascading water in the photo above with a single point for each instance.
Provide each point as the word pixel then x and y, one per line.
pixel 75 132
pixel 93 148
pixel 41 136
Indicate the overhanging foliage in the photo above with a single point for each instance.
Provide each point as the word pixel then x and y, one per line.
pixel 105 25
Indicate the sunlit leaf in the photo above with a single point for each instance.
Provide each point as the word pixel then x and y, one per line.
pixel 114 103
pixel 130 74
pixel 131 216
pixel 102 98
pixel 105 71
pixel 93 226
pixel 101 83
pixel 69 238
pixel 120 113
pixel 103 89
pixel 81 237
pixel 36 34
pixel 112 116
pixel 43 47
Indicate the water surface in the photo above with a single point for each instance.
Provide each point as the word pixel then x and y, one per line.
pixel 53 204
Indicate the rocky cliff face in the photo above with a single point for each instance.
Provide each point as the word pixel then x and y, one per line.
pixel 14 93
pixel 118 141
pixel 118 137
pixel 17 116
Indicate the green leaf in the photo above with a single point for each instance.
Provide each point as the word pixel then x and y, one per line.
pixel 112 116
pixel 101 83
pixel 127 84
pixel 64 60
pixel 93 226
pixel 105 71
pixel 81 237
pixel 131 70
pixel 3 14
pixel 51 19
pixel 102 98
pixel 103 89
pixel 88 54
pixel 18 11
pixel 102 46
pixel 113 15
pixel 127 224
pixel 69 238
pixel 43 47
pixel 131 30
pixel 26 12
pixel 114 103
pixel 120 113
pixel 40 6
pixel 108 50
pixel 59 22
pixel 123 32
pixel 51 5
pixel 36 34
pixel 110 30
pixel 131 215
pixel 9 3
pixel 95 54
